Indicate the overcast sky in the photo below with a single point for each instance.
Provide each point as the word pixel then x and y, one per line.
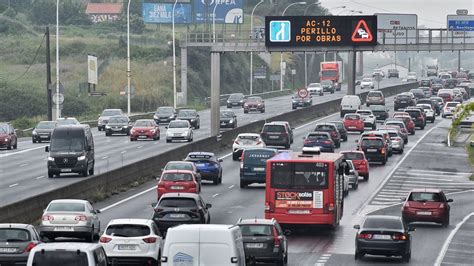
pixel 431 13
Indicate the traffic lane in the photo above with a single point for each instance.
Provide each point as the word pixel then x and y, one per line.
pixel 459 248
pixel 428 239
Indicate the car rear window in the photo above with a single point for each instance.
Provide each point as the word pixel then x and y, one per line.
pixel 377 222
pixel 177 177
pixel 14 235
pixel 374 94
pixel 257 157
pixel 317 136
pixel 452 104
pixel 413 112
pixel 352 117
pixel 179 166
pixel 60 257
pixel 324 128
pixel 128 230
pixel 404 97
pixel 274 128
pixel 256 230
pixel 364 112
pixel 425 196
pixel 66 207
pixel 353 156
pixel 393 134
pixel 372 143
pixel 177 203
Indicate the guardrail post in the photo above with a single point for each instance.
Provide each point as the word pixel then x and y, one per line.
pixel 215 92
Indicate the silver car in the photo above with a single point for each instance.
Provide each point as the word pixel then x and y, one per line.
pixel 105 115
pixel 16 242
pixel 352 176
pixel 179 130
pixel 70 218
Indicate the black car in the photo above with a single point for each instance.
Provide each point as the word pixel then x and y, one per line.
pixel 425 83
pixel 328 86
pixel 374 149
pixel 380 112
pixel 332 130
pixel 297 101
pixel 435 88
pixel 164 114
pixel 264 241
pixel 236 100
pixel 341 128
pixel 228 119
pixel 180 208
pixel 402 101
pixel 419 94
pixel 383 235
pixel 43 131
pixel 276 134
pixel 451 83
pixel 118 125
pixel 191 115
pixel 417 117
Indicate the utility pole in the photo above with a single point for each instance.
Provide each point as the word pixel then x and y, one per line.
pixel 48 77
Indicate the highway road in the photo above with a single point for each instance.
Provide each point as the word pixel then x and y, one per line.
pixel 23 172
pixel 424 152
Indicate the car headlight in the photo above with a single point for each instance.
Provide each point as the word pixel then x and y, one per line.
pixel 81 158
pixel 192 120
pixel 228 101
pixel 231 121
pixel 34 132
pixel 171 117
pixel 155 117
pixel 132 131
pixel 186 132
pixel 6 139
pixel 51 159
pixel 241 101
pixel 107 126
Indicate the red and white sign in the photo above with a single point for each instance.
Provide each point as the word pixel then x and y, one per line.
pixel 362 32
pixel 303 93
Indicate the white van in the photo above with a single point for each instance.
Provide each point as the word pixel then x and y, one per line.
pixel 84 254
pixel 350 104
pixel 203 245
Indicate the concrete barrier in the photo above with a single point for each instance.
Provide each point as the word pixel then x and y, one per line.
pixel 30 210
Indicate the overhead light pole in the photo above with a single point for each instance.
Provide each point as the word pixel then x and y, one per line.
pixel 214 22
pixel 251 52
pixel 174 58
pixel 128 59
pixel 305 54
pixel 281 54
pixel 58 115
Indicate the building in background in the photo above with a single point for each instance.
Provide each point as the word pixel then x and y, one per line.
pixel 100 12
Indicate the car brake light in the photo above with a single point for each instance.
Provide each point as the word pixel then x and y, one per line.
pixel 29 247
pixel 382 151
pixel 441 206
pixel 399 236
pixel 364 236
pixel 48 218
pixel 149 240
pixel 105 239
pixel 307 141
pixel 327 142
pixel 81 218
pixel 275 238
pixel 268 207
pixel 363 162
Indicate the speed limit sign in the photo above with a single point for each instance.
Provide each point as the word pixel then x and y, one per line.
pixel 303 93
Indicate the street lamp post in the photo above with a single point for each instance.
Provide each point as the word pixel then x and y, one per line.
pixel 58 115
pixel 305 54
pixel 281 54
pixel 251 52
pixel 128 58
pixel 174 58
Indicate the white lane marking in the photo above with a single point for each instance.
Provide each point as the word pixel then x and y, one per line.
pixel 23 151
pixel 231 186
pixel 441 153
pixel 105 157
pixel 421 171
pixel 39 177
pixel 13 185
pixel 139 147
pixel 127 199
pixel 122 152
pixel 385 181
pixel 215 195
pixel 22 165
pixel 445 247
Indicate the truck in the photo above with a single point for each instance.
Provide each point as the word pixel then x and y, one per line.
pixel 431 70
pixel 332 71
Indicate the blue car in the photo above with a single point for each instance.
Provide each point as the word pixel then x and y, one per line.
pixel 208 165
pixel 319 139
pixel 254 165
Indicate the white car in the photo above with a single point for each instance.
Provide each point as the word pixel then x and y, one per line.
pixel 246 140
pixel 132 241
pixel 430 113
pixel 67 253
pixel 66 121
pixel 315 89
pixel 368 117
pixel 367 83
pixel 448 108
pixel 411 77
pixel 70 218
pixel 179 130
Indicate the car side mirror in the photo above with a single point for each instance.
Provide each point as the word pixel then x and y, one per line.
pixel 97 211
pixel 357 226
pixel 403 199
pixel 166 127
pixel 46 148
pixel 220 160
pixel 208 205
pixel 356 141
pixel 450 200
pixel 411 229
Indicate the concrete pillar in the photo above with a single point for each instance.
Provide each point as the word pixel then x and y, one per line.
pixel 459 60
pixel 352 62
pixel 215 92
pixel 184 74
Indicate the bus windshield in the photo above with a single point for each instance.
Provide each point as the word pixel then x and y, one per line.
pixel 299 175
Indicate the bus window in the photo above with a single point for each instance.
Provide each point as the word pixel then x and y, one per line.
pixel 281 175
pixel 310 175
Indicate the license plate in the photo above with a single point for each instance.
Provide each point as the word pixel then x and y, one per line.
pixel 8 250
pixel 273 137
pixel 423 213
pixel 177 134
pixel 299 212
pixel 66 170
pixel 44 137
pixel 142 137
pixel 403 101
pixel 177 187
pixel 352 127
pixel 64 228
pixel 223 124
pixel 259 169
pixel 177 215
pixel 382 237
pixel 127 247
pixel 254 245
pixel 200 164
pixel 371 150
pixel 235 104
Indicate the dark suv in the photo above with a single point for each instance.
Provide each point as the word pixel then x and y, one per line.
pixel 236 100
pixel 341 128
pixel 264 241
pixel 191 115
pixel 164 114
pixel 254 165
pixel 403 101
pixel 180 208
pixel 332 130
pixel 417 117
pixel 328 86
pixel 374 149
pixel 8 137
pixel 276 134
pixel 118 125
pixel 43 131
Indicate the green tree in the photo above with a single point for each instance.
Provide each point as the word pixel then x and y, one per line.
pixel 71 12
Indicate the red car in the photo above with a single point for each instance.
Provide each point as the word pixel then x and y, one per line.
pixel 145 129
pixel 409 124
pixel 254 104
pixel 426 205
pixel 361 164
pixel 353 122
pixel 8 137
pixel 173 181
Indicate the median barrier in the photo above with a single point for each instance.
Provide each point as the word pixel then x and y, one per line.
pixel 30 210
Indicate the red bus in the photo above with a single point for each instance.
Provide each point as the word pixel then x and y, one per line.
pixel 305 189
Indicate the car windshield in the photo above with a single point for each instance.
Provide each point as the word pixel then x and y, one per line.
pixel 377 222
pixel 273 128
pixel 256 230
pixel 314 85
pixel 165 111
pixel 324 128
pixel 353 156
pixel 74 141
pixel 352 117
pixel 186 113
pixel 60 257
pixel 111 112
pixel 45 125
pixel 14 235
pixel 177 177
pixel 66 207
pixel 236 97
pixel 120 119
pixel 3 128
pixel 66 121
pixel 257 156
pixel 227 114
pixel 452 104
pixel 254 99
pixel 141 123
pixel 127 230
pixel 367 80
pixel 178 124
pixel 179 166
pixel 372 143
pixel 177 203
pixel 328 73
pixel 326 82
